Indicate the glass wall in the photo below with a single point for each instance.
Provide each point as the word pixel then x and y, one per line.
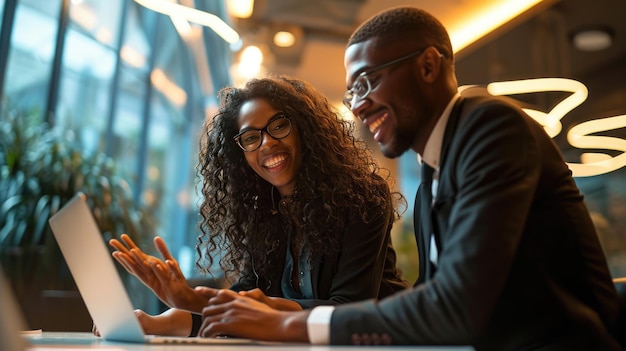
pixel 27 75
pixel 120 80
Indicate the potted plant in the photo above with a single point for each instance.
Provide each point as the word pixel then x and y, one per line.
pixel 40 170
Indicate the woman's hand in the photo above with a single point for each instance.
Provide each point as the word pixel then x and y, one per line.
pixel 171 322
pixel 277 303
pixel 164 278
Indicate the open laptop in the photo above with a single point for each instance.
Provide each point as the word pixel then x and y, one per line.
pixel 98 281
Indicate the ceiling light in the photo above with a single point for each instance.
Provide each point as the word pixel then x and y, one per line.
pixel 481 22
pixel 284 39
pixel 240 8
pixel 182 26
pixel 252 55
pixel 594 39
pixel 192 15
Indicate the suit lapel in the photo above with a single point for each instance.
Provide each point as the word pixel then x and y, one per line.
pixel 451 127
pixel 423 239
pixel 453 122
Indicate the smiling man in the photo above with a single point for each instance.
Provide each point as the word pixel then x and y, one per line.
pixel 509 257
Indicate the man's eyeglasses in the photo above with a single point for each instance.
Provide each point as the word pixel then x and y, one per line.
pixel 362 85
pixel 278 127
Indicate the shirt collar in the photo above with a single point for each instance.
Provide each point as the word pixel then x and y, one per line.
pixel 432 151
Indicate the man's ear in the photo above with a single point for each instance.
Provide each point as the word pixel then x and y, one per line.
pixel 431 64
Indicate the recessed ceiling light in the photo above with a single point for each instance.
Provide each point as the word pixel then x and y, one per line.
pixel 284 39
pixel 240 8
pixel 594 39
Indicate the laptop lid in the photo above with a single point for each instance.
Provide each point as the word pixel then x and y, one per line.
pixel 94 272
pixel 99 282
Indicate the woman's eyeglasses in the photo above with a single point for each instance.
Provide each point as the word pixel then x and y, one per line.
pixel 279 127
pixel 362 85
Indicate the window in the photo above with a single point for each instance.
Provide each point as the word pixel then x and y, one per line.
pixel 128 86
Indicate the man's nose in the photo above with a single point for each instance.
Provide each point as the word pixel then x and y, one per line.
pixel 357 106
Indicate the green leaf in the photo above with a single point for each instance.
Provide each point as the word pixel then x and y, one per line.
pixel 41 215
pixel 7 230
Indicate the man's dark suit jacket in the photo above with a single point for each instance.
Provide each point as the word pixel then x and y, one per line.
pixel 520 265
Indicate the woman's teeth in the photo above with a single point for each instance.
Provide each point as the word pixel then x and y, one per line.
pixel 274 161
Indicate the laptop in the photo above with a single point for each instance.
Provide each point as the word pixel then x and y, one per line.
pixel 99 283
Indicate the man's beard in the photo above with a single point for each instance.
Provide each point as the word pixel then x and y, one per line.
pixel 399 143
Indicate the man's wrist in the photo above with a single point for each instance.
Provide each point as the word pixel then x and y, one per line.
pixel 295 326
pixel 318 325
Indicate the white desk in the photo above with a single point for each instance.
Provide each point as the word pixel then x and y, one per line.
pixel 57 341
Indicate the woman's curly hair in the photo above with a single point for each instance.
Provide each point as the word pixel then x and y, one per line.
pixel 338 182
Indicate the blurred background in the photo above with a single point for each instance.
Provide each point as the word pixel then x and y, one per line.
pixel 108 98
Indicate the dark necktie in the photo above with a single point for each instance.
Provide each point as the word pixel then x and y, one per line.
pixel 426 201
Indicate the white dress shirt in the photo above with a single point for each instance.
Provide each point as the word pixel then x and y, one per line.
pixel 318 322
pixel 432 157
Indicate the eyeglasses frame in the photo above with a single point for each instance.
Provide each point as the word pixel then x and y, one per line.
pixel 265 129
pixel 363 75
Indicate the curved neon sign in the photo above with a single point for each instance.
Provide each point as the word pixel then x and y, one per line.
pixel 580 135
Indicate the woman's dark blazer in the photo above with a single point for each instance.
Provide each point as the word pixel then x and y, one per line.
pixel 520 265
pixel 364 267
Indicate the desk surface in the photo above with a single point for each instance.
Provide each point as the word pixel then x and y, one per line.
pixel 58 341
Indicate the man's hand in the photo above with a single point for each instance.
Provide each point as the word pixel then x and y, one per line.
pixel 232 314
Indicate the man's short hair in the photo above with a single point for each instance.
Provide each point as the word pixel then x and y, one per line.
pixel 408 23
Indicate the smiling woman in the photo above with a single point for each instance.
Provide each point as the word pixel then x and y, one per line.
pixel 335 205
pixel 295 210
pixel 275 158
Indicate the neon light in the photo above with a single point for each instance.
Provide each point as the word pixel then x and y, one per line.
pixel 578 136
